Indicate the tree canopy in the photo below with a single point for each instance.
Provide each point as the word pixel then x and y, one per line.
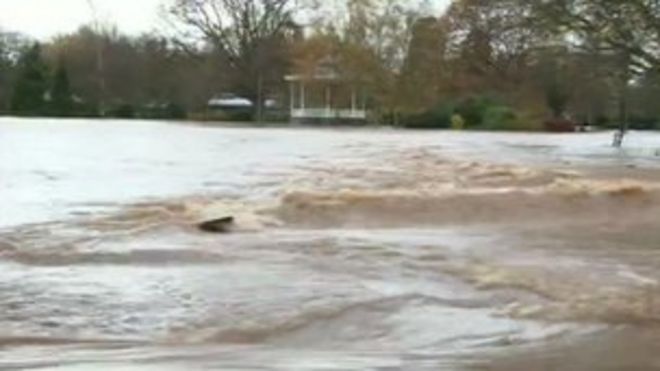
pixel 31 84
pixel 592 61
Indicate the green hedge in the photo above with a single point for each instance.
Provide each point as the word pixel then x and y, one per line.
pixel 473 110
pixel 500 118
pixel 435 118
pixel 476 113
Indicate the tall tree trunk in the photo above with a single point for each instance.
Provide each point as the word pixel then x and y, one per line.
pixel 623 104
pixel 260 98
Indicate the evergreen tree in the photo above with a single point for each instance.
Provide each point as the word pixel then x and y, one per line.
pixel 3 83
pixel 420 75
pixel 5 74
pixel 61 98
pixel 31 85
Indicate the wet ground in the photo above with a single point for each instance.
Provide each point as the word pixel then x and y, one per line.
pixel 352 250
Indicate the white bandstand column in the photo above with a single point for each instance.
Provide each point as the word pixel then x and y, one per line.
pixel 328 100
pixel 292 96
pixel 353 100
pixel 364 99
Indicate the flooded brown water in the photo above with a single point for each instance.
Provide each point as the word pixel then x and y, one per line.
pixel 353 249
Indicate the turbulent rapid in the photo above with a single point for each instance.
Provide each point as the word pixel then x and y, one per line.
pixel 352 249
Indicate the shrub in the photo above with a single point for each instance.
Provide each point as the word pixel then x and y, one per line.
pixel 641 122
pixel 175 111
pixel 436 118
pixel 602 121
pixel 473 110
pixel 507 119
pixel 122 111
pixel 480 112
pixel 457 122
pixel 83 109
pixel 500 118
pixel 167 111
pixel 242 115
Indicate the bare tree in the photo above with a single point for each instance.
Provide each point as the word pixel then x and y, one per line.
pixel 100 63
pixel 631 26
pixel 629 29
pixel 494 41
pixel 11 47
pixel 250 35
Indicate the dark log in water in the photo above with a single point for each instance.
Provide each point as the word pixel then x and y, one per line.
pixel 222 225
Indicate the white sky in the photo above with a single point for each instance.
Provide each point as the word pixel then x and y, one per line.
pixel 43 19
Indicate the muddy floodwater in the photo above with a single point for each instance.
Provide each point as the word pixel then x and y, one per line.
pixel 352 249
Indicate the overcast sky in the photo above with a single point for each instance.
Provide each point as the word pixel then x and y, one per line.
pixel 45 18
